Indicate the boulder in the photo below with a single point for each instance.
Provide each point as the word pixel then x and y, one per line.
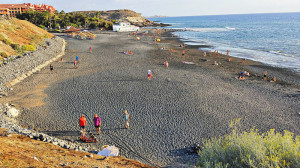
pixel 12 112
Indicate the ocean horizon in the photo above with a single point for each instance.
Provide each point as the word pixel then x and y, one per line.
pixel 270 38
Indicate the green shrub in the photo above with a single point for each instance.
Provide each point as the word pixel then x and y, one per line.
pixel 251 149
pixel 15 46
pixel 28 47
pixel 42 26
pixel 46 36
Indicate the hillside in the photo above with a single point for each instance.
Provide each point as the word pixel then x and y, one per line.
pixel 21 151
pixel 125 15
pixel 18 36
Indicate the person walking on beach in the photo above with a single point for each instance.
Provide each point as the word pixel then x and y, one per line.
pixel 227 52
pixel 265 74
pixel 97 123
pixel 182 53
pixel 75 63
pixel 166 64
pixel 149 74
pixel 82 124
pixel 126 118
pixel 77 58
pixel 51 68
pixel 91 50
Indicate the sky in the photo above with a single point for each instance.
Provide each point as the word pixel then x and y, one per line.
pixel 174 7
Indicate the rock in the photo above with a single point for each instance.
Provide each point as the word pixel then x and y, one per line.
pixel 3 94
pixel 91 156
pixel 42 137
pixel 54 143
pixel 35 158
pixel 66 146
pixel 12 112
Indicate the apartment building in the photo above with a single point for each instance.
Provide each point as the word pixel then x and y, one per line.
pixel 14 9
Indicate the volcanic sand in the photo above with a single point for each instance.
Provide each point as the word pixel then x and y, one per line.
pixel 174 110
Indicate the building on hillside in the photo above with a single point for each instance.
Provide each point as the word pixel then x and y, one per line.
pixel 4 11
pixel 42 7
pixel 125 27
pixel 14 9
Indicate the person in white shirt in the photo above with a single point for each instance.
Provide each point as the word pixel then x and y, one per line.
pixel 149 74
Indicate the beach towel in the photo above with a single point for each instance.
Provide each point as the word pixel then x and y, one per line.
pixel 109 151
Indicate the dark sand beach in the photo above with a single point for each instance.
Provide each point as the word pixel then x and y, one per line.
pixel 170 113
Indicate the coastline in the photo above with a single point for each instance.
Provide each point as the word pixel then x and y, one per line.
pixel 183 78
pixel 285 76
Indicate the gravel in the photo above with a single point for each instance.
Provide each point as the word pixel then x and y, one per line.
pixel 15 68
pixel 21 65
pixel 172 112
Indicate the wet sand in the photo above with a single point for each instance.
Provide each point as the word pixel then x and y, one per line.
pixel 176 109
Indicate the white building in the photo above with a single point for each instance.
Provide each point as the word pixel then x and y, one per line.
pixel 125 27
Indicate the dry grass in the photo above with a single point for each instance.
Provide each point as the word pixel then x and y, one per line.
pixel 21 151
pixel 20 32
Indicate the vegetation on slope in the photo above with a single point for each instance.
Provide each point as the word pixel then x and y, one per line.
pixel 62 20
pixel 251 149
pixel 19 36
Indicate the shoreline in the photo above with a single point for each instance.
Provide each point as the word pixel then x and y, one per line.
pixel 184 86
pixel 284 76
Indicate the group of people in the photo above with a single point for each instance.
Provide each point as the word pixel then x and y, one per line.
pixel 74 63
pixel 97 122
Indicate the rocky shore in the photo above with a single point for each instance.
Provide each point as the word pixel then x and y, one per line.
pixel 19 68
pixel 21 65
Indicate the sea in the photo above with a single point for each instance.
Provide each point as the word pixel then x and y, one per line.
pixel 273 39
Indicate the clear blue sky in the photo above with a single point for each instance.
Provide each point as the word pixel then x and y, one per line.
pixel 175 7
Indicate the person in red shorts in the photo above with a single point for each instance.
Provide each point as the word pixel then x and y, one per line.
pixel 82 124
pixel 149 74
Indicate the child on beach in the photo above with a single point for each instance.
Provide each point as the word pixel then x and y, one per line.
pixel 77 58
pixel 90 49
pixel 182 53
pixel 274 79
pixel 126 117
pixel 204 54
pixel 97 123
pixel 149 74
